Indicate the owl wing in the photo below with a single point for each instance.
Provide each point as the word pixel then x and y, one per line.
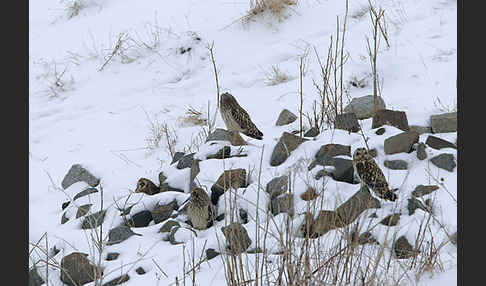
pixel 371 175
pixel 244 121
pixel 210 216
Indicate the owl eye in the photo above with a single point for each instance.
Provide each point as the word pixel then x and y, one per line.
pixel 141 184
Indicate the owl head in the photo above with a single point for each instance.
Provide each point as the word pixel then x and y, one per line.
pixel 146 186
pixel 227 99
pixel 360 154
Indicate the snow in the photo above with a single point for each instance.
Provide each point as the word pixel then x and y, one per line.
pixel 101 119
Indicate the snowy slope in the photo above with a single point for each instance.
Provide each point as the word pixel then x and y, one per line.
pixel 101 119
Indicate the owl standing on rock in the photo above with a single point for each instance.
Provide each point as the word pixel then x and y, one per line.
pixel 371 175
pixel 236 118
pixel 199 209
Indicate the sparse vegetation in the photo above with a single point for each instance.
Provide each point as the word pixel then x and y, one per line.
pixel 274 7
pixel 276 76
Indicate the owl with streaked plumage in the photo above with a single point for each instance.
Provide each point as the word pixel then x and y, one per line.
pixel 371 175
pixel 236 118
pixel 199 209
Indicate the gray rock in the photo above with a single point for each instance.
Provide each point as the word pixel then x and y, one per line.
pixel 422 190
pixel 453 238
pixel 167 226
pixel 282 204
pixel 140 271
pixel 173 232
pixel 64 218
pixel 394 118
pixel 218 134
pixel 325 154
pixel 79 174
pixel 402 142
pixel 112 256
pixel 243 215
pixel 391 220
pixel 321 173
pixel 185 161
pixel 277 186
pixel 117 281
pixel 93 220
pixel 223 153
pixel 85 193
pixel 211 253
pixel 237 239
pixel 163 212
pixel 82 210
pixel 347 121
pixel 380 131
pixel 34 277
pixel 420 129
pixel 421 154
pixel 414 204
pixel 442 123
pixel 312 132
pixel 367 237
pixel 195 169
pixel 285 117
pixel 77 270
pixel 140 219
pixel 396 164
pixel 233 178
pixel 343 170
pixel 403 249
pixel 364 106
pixel 65 205
pixel 444 161
pixel 438 143
pixel 287 143
pixel 177 157
pixel 119 234
pixel 162 178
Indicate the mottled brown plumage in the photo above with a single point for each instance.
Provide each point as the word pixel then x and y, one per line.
pixel 236 118
pixel 371 175
pixel 199 209
pixel 146 186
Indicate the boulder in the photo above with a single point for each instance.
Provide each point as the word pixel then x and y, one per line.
pixel 285 117
pixel 222 153
pixel 380 131
pixel 364 107
pixel 391 220
pixel 211 253
pixel 93 220
pixel 277 186
pixel 119 234
pixel 140 219
pixel 282 204
pixel 140 270
pixel 85 193
pixel 117 281
pixel 420 129
pixel 396 164
pixel 328 151
pixel 442 123
pixel 34 277
pixel 82 210
pixel 393 118
pixel 414 204
pixel 163 212
pixel 312 132
pixel 78 173
pixel 343 170
pixel 185 161
pixel 438 143
pixel 402 142
pixel 237 239
pixel 179 235
pixel 403 249
pixel 112 256
pixel 177 157
pixel 421 154
pixel 77 270
pixel 287 143
pixel 444 161
pixel 167 226
pixel 347 121
pixel 233 178
pixel 422 190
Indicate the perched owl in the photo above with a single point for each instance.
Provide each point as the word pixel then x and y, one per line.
pixel 371 175
pixel 146 186
pixel 199 209
pixel 236 118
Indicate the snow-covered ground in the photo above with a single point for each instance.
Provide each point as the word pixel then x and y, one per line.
pixel 100 118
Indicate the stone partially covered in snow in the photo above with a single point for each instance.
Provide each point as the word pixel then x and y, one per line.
pixel 93 220
pixel 234 178
pixel 285 117
pixel 347 121
pixel 443 123
pixel 364 107
pixel 403 249
pixel 77 269
pixel 179 235
pixel 119 234
pixel 237 239
pixel 118 280
pixel 401 143
pixel 394 118
pixel 34 277
pixel 163 212
pixel 438 143
pixel 444 161
pixel 396 164
pixel 287 143
pixel 277 186
pixel 140 219
pixel 85 193
pixel 282 204
pixel 78 173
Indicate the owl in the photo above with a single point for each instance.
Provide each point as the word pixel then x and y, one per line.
pixel 236 118
pixel 146 186
pixel 370 174
pixel 199 209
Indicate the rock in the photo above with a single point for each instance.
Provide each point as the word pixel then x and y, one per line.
pixel 442 123
pixel 177 157
pixel 325 221
pixel 112 256
pixel 140 219
pixel 223 153
pixel 328 151
pixel 254 250
pixel 220 217
pixel 119 234
pixel 380 131
pixel 367 237
pixel 237 239
pixel 309 195
pixel 185 161
pixel 79 174
pixel 34 277
pixel 65 205
pixel 343 170
pixel 233 178
pixel 162 178
pixel 93 220
pixel 184 235
pixel 393 118
pixel 391 220
pixel 85 193
pixel 243 215
pixel 414 204
pixel 277 186
pixel 364 107
pixel 312 132
pixel 117 281
pixel 82 210
pixel 321 173
pixel 347 121
pixel 282 204
pixel 401 142
pixel 421 154
pixel 140 270
pixel 422 190
pixel 64 218
pixel 438 143
pixel 285 117
pixel 163 212
pixel 211 253
pixel 348 211
pixel 396 164
pixel 77 270
pixel 218 134
pixel 444 161
pixel 403 249
pixel 420 129
pixel 287 143
pixel 453 238
pixel 167 226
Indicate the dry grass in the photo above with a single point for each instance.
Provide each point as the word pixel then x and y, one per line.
pixel 276 76
pixel 72 7
pixel 275 8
